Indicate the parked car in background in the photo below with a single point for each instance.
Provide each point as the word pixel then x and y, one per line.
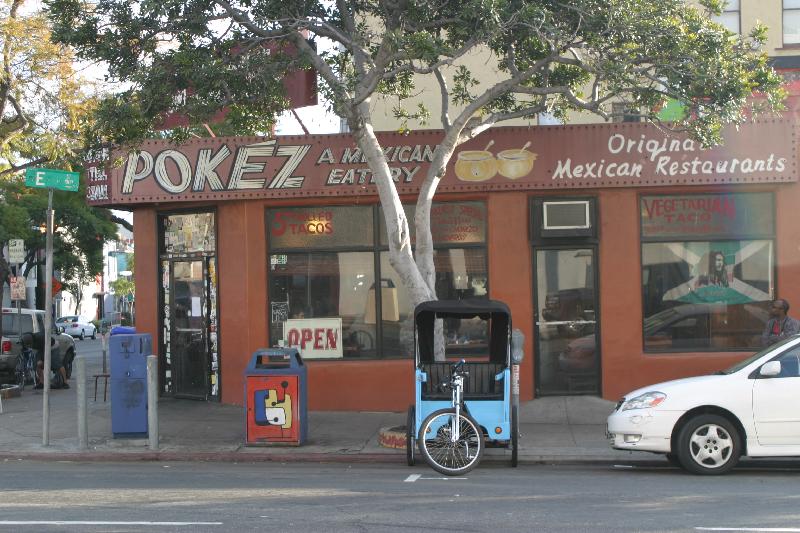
pixel 77 326
pixel 707 423
pixel 29 321
pixel 683 328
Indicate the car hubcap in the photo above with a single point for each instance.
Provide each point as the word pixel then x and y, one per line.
pixel 711 446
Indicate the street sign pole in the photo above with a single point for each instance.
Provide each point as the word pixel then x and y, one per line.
pixel 48 321
pixel 64 180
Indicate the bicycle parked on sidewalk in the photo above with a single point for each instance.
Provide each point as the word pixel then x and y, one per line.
pixel 25 370
pixel 464 407
pixel 30 363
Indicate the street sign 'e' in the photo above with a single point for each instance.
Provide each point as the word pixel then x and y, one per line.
pixel 48 178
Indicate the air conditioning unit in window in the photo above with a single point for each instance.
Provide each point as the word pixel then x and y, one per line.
pixel 565 214
pixel 563 218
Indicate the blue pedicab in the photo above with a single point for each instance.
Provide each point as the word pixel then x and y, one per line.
pixel 464 405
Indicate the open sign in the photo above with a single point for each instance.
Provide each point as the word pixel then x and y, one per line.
pixel 315 338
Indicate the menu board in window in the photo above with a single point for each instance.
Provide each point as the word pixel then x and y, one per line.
pixel 319 227
pixel 707 215
pixel 451 223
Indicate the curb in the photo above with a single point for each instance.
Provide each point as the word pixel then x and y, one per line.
pixel 360 458
pixel 221 457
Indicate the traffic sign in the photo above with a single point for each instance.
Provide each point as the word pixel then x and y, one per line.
pixel 16 251
pixel 17 287
pixel 56 286
pixel 48 178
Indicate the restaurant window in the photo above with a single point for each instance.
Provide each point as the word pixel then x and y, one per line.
pixel 330 278
pixel 707 270
pixel 459 239
pixel 791 21
pixel 325 291
pixel 729 18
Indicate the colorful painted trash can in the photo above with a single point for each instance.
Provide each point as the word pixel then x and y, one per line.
pixel 275 397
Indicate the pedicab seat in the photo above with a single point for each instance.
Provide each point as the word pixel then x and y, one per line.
pixel 480 384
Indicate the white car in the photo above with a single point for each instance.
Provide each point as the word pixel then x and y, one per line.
pixel 707 423
pixel 77 326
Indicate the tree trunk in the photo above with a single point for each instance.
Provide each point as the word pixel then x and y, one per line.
pixel 420 288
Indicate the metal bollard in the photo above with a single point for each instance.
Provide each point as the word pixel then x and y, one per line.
pixel 83 419
pixel 152 401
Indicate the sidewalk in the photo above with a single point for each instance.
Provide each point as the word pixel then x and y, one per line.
pixel 554 429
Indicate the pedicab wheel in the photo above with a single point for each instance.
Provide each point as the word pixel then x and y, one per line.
pixel 410 436
pixel 514 436
pixel 441 452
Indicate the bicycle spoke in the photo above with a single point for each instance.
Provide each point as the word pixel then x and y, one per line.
pixel 444 452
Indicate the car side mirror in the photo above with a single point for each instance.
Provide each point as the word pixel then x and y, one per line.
pixel 517 344
pixel 770 369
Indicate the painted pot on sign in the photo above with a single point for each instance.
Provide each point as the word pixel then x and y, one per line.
pixel 515 163
pixel 476 165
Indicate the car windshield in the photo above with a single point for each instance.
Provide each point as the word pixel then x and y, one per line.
pixel 741 364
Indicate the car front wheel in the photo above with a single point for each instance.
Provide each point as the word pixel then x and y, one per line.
pixel 709 445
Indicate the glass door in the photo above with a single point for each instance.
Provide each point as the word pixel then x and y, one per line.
pixel 189 327
pixel 568 354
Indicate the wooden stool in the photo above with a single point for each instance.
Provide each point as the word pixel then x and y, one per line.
pixel 105 385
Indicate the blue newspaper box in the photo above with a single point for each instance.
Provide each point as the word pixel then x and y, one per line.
pixel 275 397
pixel 128 354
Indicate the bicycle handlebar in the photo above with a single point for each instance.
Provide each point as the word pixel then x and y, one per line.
pixel 458 369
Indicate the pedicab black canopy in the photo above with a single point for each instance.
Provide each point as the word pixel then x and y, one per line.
pixel 495 312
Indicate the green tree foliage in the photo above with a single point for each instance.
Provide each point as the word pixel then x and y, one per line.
pixel 44 109
pixel 125 287
pixel 78 239
pixel 43 104
pixel 550 56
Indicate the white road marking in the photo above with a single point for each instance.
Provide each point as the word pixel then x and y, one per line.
pixel 99 523
pixel 413 477
pixel 623 466
pixel 766 529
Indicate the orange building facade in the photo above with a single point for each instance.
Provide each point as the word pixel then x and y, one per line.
pixel 627 256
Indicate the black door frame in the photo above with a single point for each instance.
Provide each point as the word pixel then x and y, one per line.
pixel 165 388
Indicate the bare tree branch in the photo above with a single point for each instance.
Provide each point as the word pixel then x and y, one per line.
pixel 445 98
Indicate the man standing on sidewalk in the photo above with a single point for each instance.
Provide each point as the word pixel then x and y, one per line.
pixel 780 326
